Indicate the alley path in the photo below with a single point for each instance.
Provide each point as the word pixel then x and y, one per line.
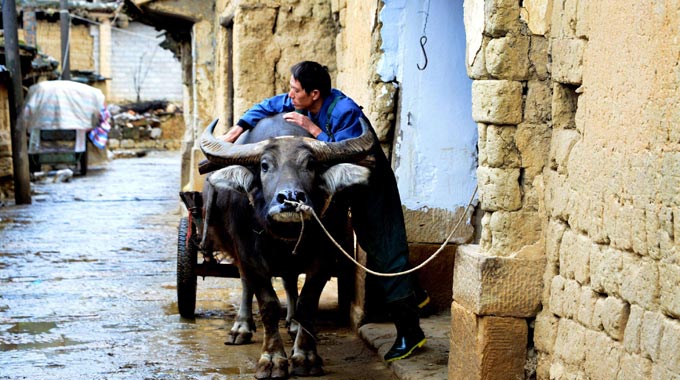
pixel 87 288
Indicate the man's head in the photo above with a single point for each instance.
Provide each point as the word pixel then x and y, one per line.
pixel 310 83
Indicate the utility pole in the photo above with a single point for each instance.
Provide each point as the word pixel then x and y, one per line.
pixel 65 24
pixel 22 180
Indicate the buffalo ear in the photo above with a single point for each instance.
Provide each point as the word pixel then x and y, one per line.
pixel 236 177
pixel 341 176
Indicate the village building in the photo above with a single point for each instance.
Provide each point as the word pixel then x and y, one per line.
pixel 121 58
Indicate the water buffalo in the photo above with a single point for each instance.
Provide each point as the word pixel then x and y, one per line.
pixel 252 212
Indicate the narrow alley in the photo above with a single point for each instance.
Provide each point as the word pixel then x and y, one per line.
pixel 88 288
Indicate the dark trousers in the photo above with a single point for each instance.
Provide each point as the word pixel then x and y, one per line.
pixel 378 222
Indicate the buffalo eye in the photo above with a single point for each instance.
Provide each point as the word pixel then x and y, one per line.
pixel 264 167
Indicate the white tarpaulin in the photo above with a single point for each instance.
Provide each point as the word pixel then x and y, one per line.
pixel 61 105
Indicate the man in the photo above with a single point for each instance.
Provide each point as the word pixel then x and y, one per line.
pixel 329 115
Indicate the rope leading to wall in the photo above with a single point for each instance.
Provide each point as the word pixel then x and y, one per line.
pixel 306 209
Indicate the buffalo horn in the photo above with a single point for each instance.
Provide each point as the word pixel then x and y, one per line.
pixel 353 149
pixel 224 153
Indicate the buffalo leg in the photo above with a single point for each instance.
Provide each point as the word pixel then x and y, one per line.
pixel 290 286
pixel 305 361
pixel 273 363
pixel 244 325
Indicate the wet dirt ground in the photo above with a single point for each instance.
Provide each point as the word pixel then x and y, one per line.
pixel 87 288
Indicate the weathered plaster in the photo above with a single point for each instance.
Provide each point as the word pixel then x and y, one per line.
pixel 435 143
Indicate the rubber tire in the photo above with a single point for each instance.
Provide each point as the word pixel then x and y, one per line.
pixel 186 271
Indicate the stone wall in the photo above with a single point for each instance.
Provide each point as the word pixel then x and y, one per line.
pixel 270 37
pixel 578 170
pixel 612 300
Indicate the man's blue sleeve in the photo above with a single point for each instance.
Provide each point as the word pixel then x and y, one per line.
pixel 345 125
pixel 268 107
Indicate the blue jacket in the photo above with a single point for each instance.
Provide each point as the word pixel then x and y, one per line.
pixel 344 118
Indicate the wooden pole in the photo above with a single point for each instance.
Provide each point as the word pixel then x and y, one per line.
pixel 22 179
pixel 65 24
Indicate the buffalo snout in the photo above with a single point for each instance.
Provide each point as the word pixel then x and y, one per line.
pixel 291 197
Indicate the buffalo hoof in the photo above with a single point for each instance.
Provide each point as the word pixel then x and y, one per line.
pixel 272 367
pixel 239 338
pixel 310 364
pixel 241 333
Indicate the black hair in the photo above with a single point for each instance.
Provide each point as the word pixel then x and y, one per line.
pixel 312 76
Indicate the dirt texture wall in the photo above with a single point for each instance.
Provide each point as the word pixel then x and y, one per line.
pixel 81 44
pixel 5 141
pixel 612 300
pixel 269 37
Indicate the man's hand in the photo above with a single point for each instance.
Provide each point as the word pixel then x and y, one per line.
pixel 232 134
pixel 302 121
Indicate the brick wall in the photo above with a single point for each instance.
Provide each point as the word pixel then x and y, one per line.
pixel 81 44
pixel 579 163
pixel 139 53
pixel 612 299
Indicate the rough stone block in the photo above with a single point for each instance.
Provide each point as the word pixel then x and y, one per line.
pixel 557 194
pixel 602 356
pixel 533 143
pixel 575 256
pixel 490 348
pixel 554 235
pixel 511 231
pixel 606 264
pixel 641 285
pixel 499 189
pixel 497 101
pixel 613 313
pixel 557 300
pixel 570 344
pixel 503 286
pixel 563 22
pixel 500 148
pixel 567 63
pixel 501 17
pixel 561 145
pixel 634 367
pixel 537 14
pixel 669 352
pixel 659 372
pixel 538 57
pixel 538 105
pixel 477 68
pixel 586 309
pixel 564 104
pixel 631 335
pixel 508 57
pixel 545 331
pixel 651 334
pixel 669 284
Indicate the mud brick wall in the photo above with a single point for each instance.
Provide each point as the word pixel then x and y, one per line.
pixel 81 44
pixel 612 301
pixel 579 171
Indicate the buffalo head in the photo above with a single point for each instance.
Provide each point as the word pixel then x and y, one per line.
pixel 279 171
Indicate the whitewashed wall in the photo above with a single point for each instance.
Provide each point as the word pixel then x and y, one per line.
pixel 435 152
pixel 137 46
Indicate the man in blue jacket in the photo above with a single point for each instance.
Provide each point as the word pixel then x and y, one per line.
pixel 377 218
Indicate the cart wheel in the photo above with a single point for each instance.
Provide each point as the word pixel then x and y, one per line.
pixel 186 271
